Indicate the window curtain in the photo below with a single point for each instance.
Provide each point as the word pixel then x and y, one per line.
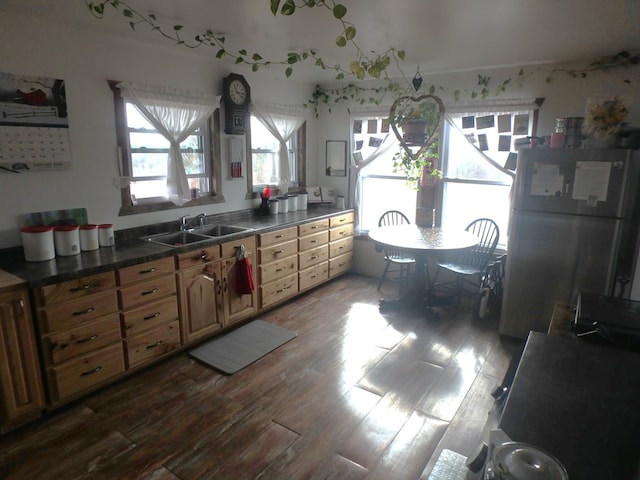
pixel 282 124
pixel 452 125
pixel 175 114
pixel 390 141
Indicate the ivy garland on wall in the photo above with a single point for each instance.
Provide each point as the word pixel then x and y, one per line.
pixel 374 66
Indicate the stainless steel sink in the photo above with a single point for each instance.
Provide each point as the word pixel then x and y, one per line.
pixel 220 230
pixel 176 239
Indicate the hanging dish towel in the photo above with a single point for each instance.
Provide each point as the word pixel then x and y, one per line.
pixel 244 276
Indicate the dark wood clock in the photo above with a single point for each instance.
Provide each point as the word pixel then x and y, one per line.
pixel 236 97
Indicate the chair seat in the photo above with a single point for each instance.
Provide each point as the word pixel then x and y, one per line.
pixel 400 259
pixel 460 269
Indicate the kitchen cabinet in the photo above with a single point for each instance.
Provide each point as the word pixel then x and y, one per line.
pixel 79 334
pixel 313 256
pixel 341 230
pixel 237 306
pixel 21 390
pixel 278 265
pixel 200 290
pixel 147 297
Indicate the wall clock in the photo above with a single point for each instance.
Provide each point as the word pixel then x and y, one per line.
pixel 236 97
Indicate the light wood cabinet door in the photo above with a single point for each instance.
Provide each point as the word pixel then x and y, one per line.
pixel 201 303
pixel 21 390
pixel 237 306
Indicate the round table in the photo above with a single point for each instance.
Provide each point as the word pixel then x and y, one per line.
pixel 421 242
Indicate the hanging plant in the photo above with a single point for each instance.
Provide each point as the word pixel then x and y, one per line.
pixel 418 166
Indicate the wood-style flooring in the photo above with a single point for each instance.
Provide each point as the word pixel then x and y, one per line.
pixel 358 394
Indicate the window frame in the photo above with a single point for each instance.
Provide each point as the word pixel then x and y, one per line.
pixel 300 145
pixel 211 145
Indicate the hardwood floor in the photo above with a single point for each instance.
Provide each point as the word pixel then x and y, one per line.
pixel 357 394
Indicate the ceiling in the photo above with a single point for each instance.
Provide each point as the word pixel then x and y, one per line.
pixel 439 36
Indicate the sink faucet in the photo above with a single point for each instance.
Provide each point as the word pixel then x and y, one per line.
pixel 200 220
pixel 183 222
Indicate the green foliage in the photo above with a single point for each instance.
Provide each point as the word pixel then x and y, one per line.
pixel 416 163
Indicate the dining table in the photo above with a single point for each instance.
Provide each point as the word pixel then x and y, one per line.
pixel 422 243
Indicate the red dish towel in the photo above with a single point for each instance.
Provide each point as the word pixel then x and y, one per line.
pixel 244 275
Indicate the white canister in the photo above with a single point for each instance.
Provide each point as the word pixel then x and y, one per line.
pixel 340 202
pixel 88 237
pixel 303 198
pixel 67 240
pixel 284 205
pixel 37 242
pixel 106 237
pixel 273 206
pixel 293 201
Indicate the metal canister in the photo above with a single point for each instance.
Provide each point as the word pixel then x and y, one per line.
pixel 573 132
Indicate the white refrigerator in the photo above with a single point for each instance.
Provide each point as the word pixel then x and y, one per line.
pixel 573 228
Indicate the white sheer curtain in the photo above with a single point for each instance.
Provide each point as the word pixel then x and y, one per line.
pixel 282 124
pixel 389 142
pixel 175 114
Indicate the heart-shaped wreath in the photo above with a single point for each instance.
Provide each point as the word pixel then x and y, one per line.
pixel 406 110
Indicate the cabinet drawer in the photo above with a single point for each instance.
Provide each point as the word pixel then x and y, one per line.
pixel 276 252
pixel 315 275
pixel 229 249
pixel 313 227
pixel 75 289
pixel 86 371
pixel 278 236
pixel 340 264
pixel 341 232
pixel 152 344
pixel 145 271
pixel 72 315
pixel 312 241
pixel 89 336
pixel 313 257
pixel 196 257
pixel 340 247
pixel 341 219
pixel 278 269
pixel 274 292
pixel 148 316
pixel 147 292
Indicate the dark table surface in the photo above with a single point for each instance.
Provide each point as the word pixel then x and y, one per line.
pixel 581 403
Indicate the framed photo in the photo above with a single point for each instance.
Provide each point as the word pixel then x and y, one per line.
pixel 336 158
pixel 315 195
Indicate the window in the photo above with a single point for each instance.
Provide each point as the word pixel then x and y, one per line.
pixel 149 153
pixel 265 167
pixel 475 149
pixel 379 188
pixel 143 155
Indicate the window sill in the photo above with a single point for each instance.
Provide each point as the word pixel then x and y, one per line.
pixel 158 207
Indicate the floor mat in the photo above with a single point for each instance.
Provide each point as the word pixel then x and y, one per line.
pixel 241 347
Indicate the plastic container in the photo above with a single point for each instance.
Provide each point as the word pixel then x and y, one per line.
pixel 67 240
pixel 273 206
pixel 303 198
pixel 284 205
pixel 88 237
pixel 340 202
pixel 38 244
pixel 106 236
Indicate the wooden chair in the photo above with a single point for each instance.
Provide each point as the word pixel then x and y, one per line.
pixel 401 260
pixel 470 266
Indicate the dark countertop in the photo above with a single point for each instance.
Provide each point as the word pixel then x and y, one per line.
pixel 130 250
pixel 579 402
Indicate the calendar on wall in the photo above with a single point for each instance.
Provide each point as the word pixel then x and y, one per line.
pixel 34 128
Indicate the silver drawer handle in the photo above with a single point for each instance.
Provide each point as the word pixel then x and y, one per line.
pixel 149 292
pixel 151 270
pixel 85 340
pixel 82 312
pixel 91 372
pixel 154 345
pixel 79 289
pixel 153 315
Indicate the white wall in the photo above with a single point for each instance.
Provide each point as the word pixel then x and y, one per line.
pixel 86 60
